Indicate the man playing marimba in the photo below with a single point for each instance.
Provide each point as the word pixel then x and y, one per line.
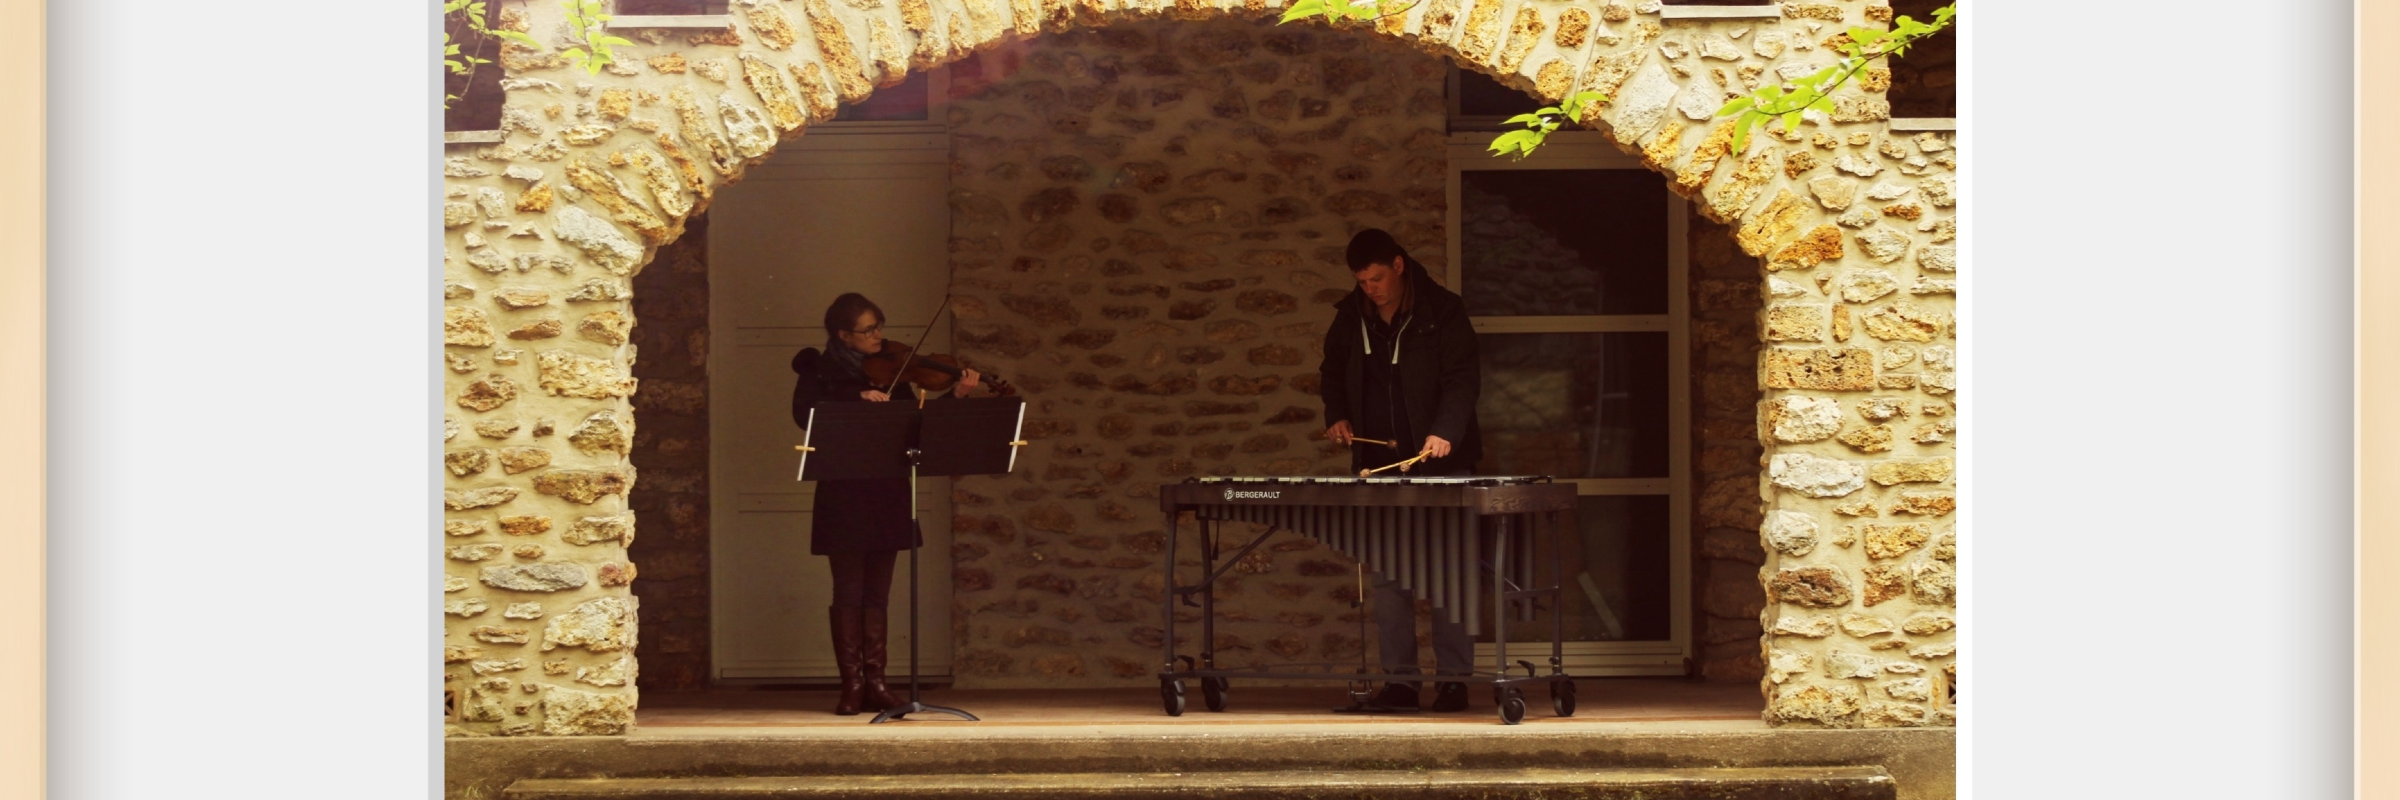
pixel 1401 368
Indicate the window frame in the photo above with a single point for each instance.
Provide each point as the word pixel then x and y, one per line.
pixel 1468 152
pixel 937 113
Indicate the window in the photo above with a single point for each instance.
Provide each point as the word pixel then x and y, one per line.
pixel 1479 102
pixel 669 8
pixel 1571 263
pixel 1925 80
pixel 475 95
pixel 689 14
pixel 1720 9
pixel 911 101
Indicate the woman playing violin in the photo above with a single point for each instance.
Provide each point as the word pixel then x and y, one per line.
pixel 860 526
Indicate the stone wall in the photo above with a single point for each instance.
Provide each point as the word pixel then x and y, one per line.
pixel 1148 222
pixel 1725 449
pixel 1852 228
pixel 670 503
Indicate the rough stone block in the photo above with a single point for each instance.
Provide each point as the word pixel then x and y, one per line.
pixel 1794 323
pixel 1789 532
pixel 1813 587
pixel 543 577
pixel 1893 541
pixel 1797 419
pixel 1928 470
pixel 1824 369
pixel 1835 706
pixel 1815 476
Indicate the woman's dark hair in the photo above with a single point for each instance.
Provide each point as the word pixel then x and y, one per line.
pixel 1374 246
pixel 845 310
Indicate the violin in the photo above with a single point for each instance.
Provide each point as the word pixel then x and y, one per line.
pixel 932 372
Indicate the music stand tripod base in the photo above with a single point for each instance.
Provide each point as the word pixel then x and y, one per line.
pixel 951 438
pixel 915 707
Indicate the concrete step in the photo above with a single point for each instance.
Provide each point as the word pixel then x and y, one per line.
pixel 1708 783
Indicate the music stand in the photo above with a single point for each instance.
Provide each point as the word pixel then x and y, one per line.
pixel 952 438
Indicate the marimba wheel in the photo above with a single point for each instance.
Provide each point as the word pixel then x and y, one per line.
pixel 1512 708
pixel 1170 694
pixel 1562 698
pixel 1212 692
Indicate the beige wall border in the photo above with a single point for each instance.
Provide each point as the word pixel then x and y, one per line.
pixel 2377 455
pixel 22 386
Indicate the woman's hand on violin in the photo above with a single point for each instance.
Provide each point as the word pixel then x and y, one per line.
pixel 874 396
pixel 968 380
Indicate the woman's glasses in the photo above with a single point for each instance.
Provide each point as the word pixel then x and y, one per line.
pixel 869 330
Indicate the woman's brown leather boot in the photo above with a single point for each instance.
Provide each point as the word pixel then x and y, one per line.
pixel 872 659
pixel 848 633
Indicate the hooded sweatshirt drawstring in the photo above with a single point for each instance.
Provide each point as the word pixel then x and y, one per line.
pixel 1368 341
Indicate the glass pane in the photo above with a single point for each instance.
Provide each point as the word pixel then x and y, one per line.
pixel 906 102
pixel 670 8
pixel 1574 405
pixel 1481 95
pixel 1544 242
pixel 1925 82
pixel 1613 566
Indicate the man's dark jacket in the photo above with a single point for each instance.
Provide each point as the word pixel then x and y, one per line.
pixel 1440 376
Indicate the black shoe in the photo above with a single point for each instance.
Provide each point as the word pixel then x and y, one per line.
pixel 1396 697
pixel 1449 697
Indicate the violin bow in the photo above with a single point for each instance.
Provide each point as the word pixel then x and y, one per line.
pixel 912 350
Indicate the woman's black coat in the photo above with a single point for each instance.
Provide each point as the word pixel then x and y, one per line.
pixel 856 515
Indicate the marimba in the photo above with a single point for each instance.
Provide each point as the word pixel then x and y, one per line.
pixel 1466 544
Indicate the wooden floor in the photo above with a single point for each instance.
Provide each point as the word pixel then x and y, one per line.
pixel 1599 701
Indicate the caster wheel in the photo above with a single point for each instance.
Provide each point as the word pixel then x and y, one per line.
pixel 1212 692
pixel 1170 694
pixel 1512 708
pixel 1562 698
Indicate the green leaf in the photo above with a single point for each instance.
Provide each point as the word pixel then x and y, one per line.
pixel 1736 105
pixel 614 40
pixel 575 53
pixel 1523 119
pixel 1741 129
pixel 1514 141
pixel 1823 105
pixel 1791 122
pixel 1303 9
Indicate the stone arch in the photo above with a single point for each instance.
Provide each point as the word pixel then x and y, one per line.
pixel 1850 222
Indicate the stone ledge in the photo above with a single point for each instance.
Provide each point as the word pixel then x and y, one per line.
pixel 473 137
pixel 1922 761
pixel 1761 11
pixel 1709 783
pixel 707 21
pixel 1916 124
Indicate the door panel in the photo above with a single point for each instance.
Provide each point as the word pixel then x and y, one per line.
pixel 829 214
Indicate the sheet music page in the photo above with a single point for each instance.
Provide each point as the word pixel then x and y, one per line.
pixel 1019 436
pixel 804 437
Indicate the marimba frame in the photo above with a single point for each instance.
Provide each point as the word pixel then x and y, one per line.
pixel 1508 691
